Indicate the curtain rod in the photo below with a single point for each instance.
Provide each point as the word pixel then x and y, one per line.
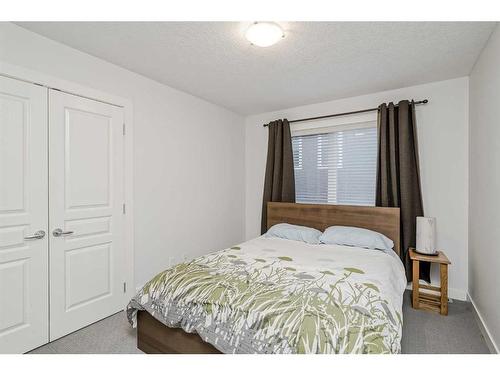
pixel 425 101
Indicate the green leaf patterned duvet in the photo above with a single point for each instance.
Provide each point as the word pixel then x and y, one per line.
pixel 271 295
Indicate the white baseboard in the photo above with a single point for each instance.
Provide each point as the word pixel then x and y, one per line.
pixel 458 294
pixel 453 293
pixel 492 346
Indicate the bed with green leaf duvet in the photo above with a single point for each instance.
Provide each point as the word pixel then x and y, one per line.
pixel 272 295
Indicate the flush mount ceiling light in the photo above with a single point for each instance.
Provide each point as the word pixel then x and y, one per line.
pixel 264 34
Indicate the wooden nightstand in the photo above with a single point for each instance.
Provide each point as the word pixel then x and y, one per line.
pixel 430 301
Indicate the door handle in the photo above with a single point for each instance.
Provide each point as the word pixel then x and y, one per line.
pixel 59 232
pixel 38 235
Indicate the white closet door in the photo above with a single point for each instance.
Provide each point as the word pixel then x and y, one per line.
pixel 23 216
pixel 86 195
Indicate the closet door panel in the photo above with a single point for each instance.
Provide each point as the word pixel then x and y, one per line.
pixel 23 213
pixel 86 197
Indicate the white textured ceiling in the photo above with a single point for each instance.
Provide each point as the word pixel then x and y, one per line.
pixel 317 61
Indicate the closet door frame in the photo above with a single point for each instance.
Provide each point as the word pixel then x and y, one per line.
pixel 41 79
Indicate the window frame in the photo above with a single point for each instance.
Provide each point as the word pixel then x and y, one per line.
pixel 330 125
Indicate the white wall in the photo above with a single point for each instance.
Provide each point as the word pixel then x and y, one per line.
pixel 188 161
pixel 484 203
pixel 443 147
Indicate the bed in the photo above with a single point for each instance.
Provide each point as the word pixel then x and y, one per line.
pixel 272 295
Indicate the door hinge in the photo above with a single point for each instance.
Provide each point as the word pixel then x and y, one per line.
pixel 124 287
pixel 123 208
pixel 123 128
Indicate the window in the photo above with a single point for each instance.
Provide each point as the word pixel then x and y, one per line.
pixel 336 166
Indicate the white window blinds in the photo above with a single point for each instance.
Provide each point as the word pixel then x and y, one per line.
pixel 336 167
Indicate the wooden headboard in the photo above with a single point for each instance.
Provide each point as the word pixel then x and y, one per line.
pixel 384 220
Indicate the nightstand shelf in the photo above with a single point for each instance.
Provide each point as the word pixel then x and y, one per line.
pixel 437 301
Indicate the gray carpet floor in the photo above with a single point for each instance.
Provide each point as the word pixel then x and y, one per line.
pixel 423 332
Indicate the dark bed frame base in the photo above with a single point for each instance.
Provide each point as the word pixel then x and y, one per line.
pixel 153 337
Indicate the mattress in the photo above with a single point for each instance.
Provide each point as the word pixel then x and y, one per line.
pixel 272 295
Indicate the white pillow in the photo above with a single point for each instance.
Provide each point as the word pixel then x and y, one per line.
pixel 294 232
pixel 358 237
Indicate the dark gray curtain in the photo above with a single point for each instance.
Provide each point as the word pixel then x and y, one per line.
pixel 398 175
pixel 279 183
